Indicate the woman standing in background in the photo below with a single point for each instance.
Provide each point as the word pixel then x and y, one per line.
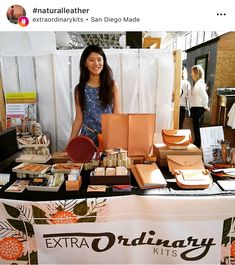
pixel 199 101
pixel 185 95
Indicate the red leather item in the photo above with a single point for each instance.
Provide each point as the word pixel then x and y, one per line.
pixel 81 149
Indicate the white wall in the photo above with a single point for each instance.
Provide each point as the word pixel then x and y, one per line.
pixel 20 42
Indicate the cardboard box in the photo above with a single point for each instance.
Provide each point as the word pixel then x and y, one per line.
pixel 161 151
pixel 59 157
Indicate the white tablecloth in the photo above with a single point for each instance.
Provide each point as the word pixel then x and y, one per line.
pixel 231 117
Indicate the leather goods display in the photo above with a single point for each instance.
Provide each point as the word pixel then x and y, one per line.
pixel 148 176
pixel 193 179
pixel 177 139
pixel 183 162
pixel 161 152
pixel 133 132
pixel 81 149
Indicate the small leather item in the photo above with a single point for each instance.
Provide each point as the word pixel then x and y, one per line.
pixel 183 162
pixel 122 188
pixel 193 179
pixel 148 176
pixel 81 149
pixel 177 139
pixel 151 175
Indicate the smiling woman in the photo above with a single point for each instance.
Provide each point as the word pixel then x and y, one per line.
pixel 95 94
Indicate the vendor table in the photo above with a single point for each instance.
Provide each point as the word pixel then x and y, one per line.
pixel 156 226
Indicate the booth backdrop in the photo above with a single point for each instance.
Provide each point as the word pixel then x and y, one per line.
pixel 144 79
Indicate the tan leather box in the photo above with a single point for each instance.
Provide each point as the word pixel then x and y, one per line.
pixel 161 151
pixel 59 157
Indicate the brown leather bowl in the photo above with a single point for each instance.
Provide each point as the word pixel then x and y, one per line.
pixel 82 149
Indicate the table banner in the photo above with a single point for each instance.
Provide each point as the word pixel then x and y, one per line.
pixel 119 230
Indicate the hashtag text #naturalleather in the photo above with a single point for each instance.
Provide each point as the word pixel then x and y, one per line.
pixel 61 10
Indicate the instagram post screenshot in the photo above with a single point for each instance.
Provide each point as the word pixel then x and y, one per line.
pixel 117 132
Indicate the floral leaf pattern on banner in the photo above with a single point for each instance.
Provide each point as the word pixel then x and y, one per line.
pixel 33 257
pixel 39 215
pixel 11 248
pixel 17 239
pixel 70 212
pixel 228 242
pixel 226 229
pixel 23 258
pixel 12 211
pixel 90 218
pixel 6 230
pixel 59 208
pixel 80 208
pixel 19 225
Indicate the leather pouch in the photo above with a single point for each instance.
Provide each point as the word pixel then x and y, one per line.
pixel 183 162
pixel 193 179
pixel 133 132
pixel 177 139
pixel 122 188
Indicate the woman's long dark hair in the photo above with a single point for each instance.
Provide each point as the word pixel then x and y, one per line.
pixel 106 79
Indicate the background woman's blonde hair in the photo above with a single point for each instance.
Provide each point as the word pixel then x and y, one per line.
pixel 198 71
